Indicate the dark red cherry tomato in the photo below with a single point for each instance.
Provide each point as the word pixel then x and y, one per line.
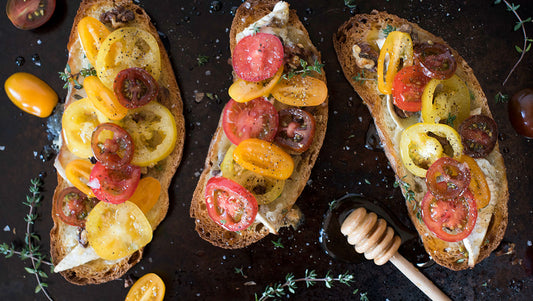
pixel 114 185
pixel 478 134
pixel 253 119
pixel 29 14
pixel 436 60
pixel 296 129
pixel 257 57
pixel 408 87
pixel 72 206
pixel 450 219
pixel 229 204
pixel 521 112
pixel 135 87
pixel 112 145
pixel 447 178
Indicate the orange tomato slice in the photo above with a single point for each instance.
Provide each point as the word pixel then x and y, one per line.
pixel 478 183
pixel 149 287
pixel 78 172
pixel 91 33
pixel 264 158
pixel 104 99
pixel 146 194
pixel 300 91
pixel 243 91
pixel 30 94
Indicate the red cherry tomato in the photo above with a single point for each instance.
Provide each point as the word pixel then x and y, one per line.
pixel 408 87
pixel 257 57
pixel 135 87
pixel 450 219
pixel 229 204
pixel 29 14
pixel 256 118
pixel 296 130
pixel 72 206
pixel 478 134
pixel 446 178
pixel 117 146
pixel 436 60
pixel 114 185
pixel 521 112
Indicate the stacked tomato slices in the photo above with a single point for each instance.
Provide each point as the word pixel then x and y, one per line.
pixel 441 136
pixel 266 122
pixel 114 136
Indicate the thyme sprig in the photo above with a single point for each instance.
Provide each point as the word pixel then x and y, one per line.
pixel 306 69
pixel 360 77
pixel 310 279
pixel 202 59
pixel 69 77
pixel 409 195
pixel 388 29
pixel 31 240
pixel 501 98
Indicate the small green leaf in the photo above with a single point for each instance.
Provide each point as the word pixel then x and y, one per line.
pixel 30 270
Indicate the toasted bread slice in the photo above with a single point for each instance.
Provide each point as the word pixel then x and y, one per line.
pixel 280 212
pixel 365 28
pixel 63 237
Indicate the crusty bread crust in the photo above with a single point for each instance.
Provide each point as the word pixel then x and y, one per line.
pixel 357 30
pixel 99 271
pixel 249 12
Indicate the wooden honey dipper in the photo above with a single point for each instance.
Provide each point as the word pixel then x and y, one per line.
pixel 378 242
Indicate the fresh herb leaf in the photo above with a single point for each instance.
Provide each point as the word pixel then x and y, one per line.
pixel 350 3
pixel 388 29
pixel 278 243
pixel 202 60
pixel 306 69
pixel 501 98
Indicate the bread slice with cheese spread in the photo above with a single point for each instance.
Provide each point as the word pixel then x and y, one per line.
pixel 79 263
pixel 350 42
pixel 273 17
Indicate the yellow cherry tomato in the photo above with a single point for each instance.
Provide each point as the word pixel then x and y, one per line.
pixel 478 183
pixel 153 130
pixel 300 91
pixel 30 94
pixel 264 158
pixel 398 48
pixel 146 194
pixel 103 99
pixel 117 230
pixel 149 287
pixel 446 101
pixel 243 91
pixel 91 33
pixel 78 172
pixel 124 48
pixel 418 149
pixel 264 189
pixel 79 121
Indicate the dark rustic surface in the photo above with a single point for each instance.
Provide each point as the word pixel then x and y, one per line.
pixel 191 268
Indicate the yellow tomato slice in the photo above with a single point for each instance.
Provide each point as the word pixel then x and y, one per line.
pixel 264 158
pixel 103 98
pixel 300 91
pixel 146 194
pixel 78 172
pixel 79 121
pixel 124 48
pixel 91 33
pixel 398 48
pixel 478 183
pixel 446 101
pixel 263 188
pixel 153 130
pixel 243 91
pixel 149 287
pixel 117 230
pixel 30 94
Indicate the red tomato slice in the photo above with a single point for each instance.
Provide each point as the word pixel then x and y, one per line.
pixel 446 178
pixel 296 129
pixel 72 206
pixel 450 219
pixel 229 204
pixel 408 87
pixel 257 57
pixel 256 118
pixel 135 87
pixel 115 150
pixel 114 185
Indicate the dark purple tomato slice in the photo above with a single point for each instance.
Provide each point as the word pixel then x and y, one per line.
pixel 478 134
pixel 135 87
pixel 296 130
pixel 436 59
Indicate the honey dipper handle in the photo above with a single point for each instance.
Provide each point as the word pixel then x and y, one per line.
pixel 417 278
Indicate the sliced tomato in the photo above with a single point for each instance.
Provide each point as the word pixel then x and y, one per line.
pixel 446 178
pixel 114 185
pixel 408 87
pixel 78 172
pixel 257 57
pixel 112 145
pixel 264 158
pixel 92 33
pixel 478 183
pixel 149 287
pixel 147 194
pixel 229 204
pixel 300 91
pixel 135 87
pixel 479 134
pixel 243 91
pixel 296 130
pixel 29 14
pixel 450 219
pixel 436 60
pixel 72 206
pixel 103 99
pixel 257 118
